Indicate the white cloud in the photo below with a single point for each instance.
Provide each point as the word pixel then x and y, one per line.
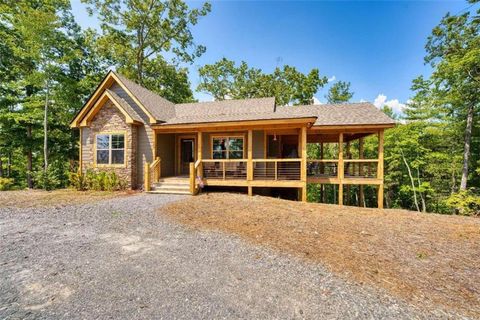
pixel 381 100
pixel 316 100
pixel 332 78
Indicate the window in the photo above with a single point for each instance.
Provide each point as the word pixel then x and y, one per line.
pixel 227 148
pixel 110 148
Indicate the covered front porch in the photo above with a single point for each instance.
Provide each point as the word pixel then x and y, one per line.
pixel 257 156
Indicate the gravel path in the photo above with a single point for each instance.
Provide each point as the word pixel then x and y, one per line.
pixel 119 258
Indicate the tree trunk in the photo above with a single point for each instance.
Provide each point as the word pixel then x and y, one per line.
pixel 1 167
pixel 466 147
pixel 454 183
pixel 29 158
pixel 422 197
pixel 9 164
pixel 412 181
pixel 45 131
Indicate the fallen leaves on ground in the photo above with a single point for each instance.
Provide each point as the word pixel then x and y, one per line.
pixel 41 198
pixel 428 259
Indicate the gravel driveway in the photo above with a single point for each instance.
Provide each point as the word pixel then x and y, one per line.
pixel 119 258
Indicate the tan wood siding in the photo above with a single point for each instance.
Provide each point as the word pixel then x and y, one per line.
pixel 258 144
pixel 166 152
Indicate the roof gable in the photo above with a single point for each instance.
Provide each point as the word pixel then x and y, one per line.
pixel 158 107
pixel 155 107
pixel 131 116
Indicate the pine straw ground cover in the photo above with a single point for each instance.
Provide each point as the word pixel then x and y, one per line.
pixel 41 198
pixel 431 260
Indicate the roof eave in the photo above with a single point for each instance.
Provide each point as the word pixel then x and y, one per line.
pixel 258 122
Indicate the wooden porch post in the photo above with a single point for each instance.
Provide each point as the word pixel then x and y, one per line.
pixel 340 169
pixel 322 171
pixel 361 197
pixel 199 153
pixel 146 178
pixel 249 161
pixel 303 166
pixel 380 169
pixel 349 165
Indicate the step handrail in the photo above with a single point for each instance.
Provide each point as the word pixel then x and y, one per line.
pixel 155 168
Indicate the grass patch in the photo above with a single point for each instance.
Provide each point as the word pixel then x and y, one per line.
pixel 40 198
pixel 428 259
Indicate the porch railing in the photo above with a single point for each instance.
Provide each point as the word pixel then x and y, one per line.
pixel 237 169
pixel 322 168
pixel 352 168
pixel 224 169
pixel 277 169
pixel 360 168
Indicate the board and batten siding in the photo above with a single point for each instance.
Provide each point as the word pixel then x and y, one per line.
pixel 145 134
pixel 166 152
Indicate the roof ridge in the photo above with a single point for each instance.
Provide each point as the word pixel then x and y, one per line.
pixel 328 104
pixel 225 100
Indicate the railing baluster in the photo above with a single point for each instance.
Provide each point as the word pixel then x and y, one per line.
pixel 276 170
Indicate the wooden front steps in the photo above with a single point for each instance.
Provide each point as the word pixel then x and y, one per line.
pixel 172 185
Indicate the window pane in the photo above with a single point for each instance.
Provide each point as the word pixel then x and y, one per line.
pixel 236 144
pixel 103 141
pixel 235 154
pixel 102 156
pixel 219 155
pixel 118 141
pixel 219 144
pixel 118 156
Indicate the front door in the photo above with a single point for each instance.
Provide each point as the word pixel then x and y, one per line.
pixel 187 154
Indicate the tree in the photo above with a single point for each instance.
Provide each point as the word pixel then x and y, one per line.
pixel 43 81
pixel 454 53
pixel 138 35
pixel 339 92
pixel 225 80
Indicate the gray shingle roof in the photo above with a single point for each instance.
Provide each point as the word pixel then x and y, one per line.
pixel 226 107
pixel 167 112
pixel 362 113
pixel 159 107
pixel 124 104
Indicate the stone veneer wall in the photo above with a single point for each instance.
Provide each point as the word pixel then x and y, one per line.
pixel 110 119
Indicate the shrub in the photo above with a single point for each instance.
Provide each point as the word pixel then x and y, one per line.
pixel 78 181
pixel 98 181
pixel 6 184
pixel 55 177
pixel 466 203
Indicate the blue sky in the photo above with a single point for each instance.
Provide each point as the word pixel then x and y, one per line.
pixel 377 46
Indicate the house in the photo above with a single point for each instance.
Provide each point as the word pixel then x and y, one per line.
pixel 251 144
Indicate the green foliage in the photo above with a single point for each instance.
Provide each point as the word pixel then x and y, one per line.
pixel 339 92
pixel 465 202
pixel 48 60
pixel 55 177
pixel 224 80
pixel 78 181
pixel 138 35
pixel 6 184
pixel 98 181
